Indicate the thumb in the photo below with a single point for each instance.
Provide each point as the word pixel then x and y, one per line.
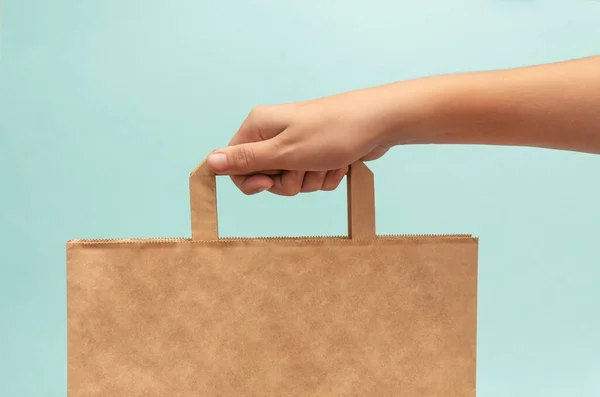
pixel 244 158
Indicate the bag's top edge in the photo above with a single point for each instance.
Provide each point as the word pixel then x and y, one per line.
pixel 229 240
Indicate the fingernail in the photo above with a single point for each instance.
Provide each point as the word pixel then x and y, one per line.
pixel 218 162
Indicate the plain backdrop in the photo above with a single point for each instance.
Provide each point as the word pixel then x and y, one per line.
pixel 106 106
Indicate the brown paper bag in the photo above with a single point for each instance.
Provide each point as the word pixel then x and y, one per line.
pixel 361 315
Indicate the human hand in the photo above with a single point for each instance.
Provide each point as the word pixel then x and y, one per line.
pixel 308 146
pixel 305 146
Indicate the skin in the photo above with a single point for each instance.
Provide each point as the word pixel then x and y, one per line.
pixel 307 146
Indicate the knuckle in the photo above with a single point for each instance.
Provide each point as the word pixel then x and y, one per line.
pixel 258 112
pixel 244 158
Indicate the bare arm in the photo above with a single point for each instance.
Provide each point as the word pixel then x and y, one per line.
pixel 551 106
pixel 307 146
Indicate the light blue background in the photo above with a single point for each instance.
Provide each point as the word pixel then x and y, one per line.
pixel 105 107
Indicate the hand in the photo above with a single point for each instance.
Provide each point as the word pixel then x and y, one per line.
pixel 305 146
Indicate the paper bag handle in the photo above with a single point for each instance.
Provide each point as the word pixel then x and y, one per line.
pixel 361 203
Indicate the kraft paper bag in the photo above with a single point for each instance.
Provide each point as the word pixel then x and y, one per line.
pixel 358 315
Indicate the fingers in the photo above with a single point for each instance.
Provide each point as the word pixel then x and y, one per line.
pixel 327 181
pixel 252 184
pixel 254 147
pixel 313 181
pixel 333 179
pixel 245 159
pixel 290 183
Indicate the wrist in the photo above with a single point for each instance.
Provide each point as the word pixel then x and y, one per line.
pixel 429 110
pixel 408 111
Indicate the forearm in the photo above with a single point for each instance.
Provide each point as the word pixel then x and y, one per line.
pixel 552 106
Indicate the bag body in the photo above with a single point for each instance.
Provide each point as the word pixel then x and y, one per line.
pixel 361 315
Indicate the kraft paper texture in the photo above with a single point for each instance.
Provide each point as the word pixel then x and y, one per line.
pixel 361 315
